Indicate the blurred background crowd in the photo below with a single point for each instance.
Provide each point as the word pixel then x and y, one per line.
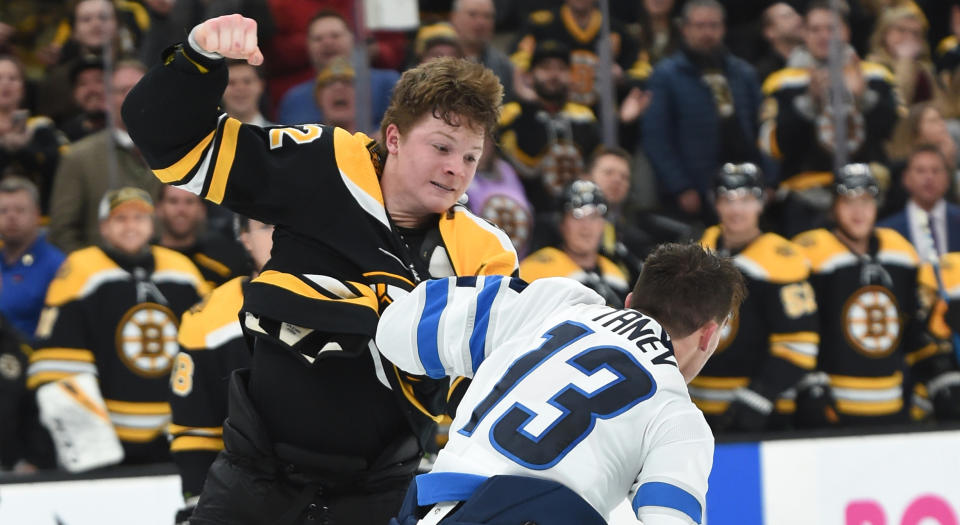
pixel 625 124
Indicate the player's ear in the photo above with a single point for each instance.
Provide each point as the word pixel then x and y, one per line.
pixel 707 332
pixel 392 139
pixel 629 300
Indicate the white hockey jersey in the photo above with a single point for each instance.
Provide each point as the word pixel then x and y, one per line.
pixel 569 390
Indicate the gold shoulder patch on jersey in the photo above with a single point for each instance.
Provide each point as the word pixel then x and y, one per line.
pixel 76 272
pixel 167 260
pixel 782 260
pixel 710 237
pixel 785 78
pixel 892 242
pixel 511 111
pixel 546 262
pixel 542 17
pixel 218 309
pixel 818 246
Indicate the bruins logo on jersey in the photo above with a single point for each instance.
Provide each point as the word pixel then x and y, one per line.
pixel 562 164
pixel 871 321
pixel 508 214
pixel 728 332
pixel 147 339
pixel 10 368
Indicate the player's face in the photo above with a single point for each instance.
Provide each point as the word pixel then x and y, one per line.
pixel 258 241
pixel 435 163
pixel 739 211
pixel 926 179
pixel 128 228
pixel 19 217
pixel 181 213
pixel 612 174
pixel 328 38
pixel 243 90
pixel 582 235
pixel 856 215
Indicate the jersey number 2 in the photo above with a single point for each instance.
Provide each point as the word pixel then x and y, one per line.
pixel 580 410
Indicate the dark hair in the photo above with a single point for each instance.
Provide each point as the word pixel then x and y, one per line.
pixel 330 13
pixel 603 151
pixel 230 62
pixel 684 286
pixel 827 5
pixel 696 4
pixel 926 147
pixel 447 88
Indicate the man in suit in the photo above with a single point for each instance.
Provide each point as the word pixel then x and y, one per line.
pixel 926 179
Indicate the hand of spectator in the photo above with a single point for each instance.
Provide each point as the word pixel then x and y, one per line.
pixel 232 36
pixel 616 73
pixel 819 81
pixel 689 202
pixel 635 104
pixel 6 31
pixel 853 77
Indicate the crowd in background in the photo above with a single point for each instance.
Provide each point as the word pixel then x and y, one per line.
pixel 612 135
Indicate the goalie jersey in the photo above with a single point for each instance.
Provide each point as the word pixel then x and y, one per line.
pixel 869 320
pixel 117 317
pixel 772 341
pixel 563 388
pixel 337 258
pixel 211 347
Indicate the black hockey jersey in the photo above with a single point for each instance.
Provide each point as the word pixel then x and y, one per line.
pixel 868 318
pixel 336 256
pixel 117 317
pixel 211 347
pixel 772 341
pixel 218 259
pixel 559 24
pixel 607 279
pixel 931 362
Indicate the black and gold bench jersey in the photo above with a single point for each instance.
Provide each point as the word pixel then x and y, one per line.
pixel 869 318
pixel 931 361
pixel 772 341
pixel 336 257
pixel 559 25
pixel 607 279
pixel 211 347
pixel 219 259
pixel 117 317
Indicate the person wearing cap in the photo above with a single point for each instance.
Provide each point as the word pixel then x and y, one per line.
pixel 771 342
pixel 577 25
pixel 113 311
pixel 865 282
pixel 436 40
pixel 29 262
pixel 547 139
pixel 86 77
pixel 336 96
pixel 578 255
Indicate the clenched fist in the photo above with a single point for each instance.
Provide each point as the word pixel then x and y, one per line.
pixel 232 36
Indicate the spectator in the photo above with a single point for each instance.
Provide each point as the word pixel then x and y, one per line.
pixel 577 25
pixel 927 179
pixel 771 342
pixel 547 139
pixel 211 347
pixel 241 99
pixel 578 255
pixel 89 95
pixel 689 131
pixel 865 282
pixel 436 40
pixel 182 218
pixel 87 171
pixel 659 36
pixel 113 311
pixel 29 262
pixel 497 195
pixel 798 118
pixel 329 36
pixel 783 30
pixel 924 124
pixel 899 42
pixel 24 445
pixel 473 21
pixel 28 145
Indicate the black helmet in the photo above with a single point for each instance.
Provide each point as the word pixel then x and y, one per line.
pixel 856 179
pixel 734 177
pixel 581 195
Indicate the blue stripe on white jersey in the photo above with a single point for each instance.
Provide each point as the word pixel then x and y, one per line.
pixel 659 494
pixel 429 325
pixel 478 338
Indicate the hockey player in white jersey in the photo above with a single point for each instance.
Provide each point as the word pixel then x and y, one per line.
pixel 573 405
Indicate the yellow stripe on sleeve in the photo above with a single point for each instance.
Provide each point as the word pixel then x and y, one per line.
pixel 183 166
pixel 221 172
pixel 186 443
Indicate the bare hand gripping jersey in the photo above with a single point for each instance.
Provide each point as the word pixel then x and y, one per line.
pixel 564 388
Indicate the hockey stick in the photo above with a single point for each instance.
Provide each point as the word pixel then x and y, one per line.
pixel 928 252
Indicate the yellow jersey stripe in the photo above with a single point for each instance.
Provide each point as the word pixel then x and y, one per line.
pixel 290 283
pixel 354 162
pixel 181 429
pixel 869 408
pixel 866 383
pixel 802 360
pixel 62 354
pixel 183 166
pixel 796 337
pixel 131 407
pixel 711 407
pixel 407 390
pixel 41 378
pixel 221 171
pixel 212 264
pixel 137 435
pixel 720 383
pixel 919 355
pixel 185 443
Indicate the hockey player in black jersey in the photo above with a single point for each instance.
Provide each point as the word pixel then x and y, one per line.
pixel 319 427
pixel 772 341
pixel 211 347
pixel 865 280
